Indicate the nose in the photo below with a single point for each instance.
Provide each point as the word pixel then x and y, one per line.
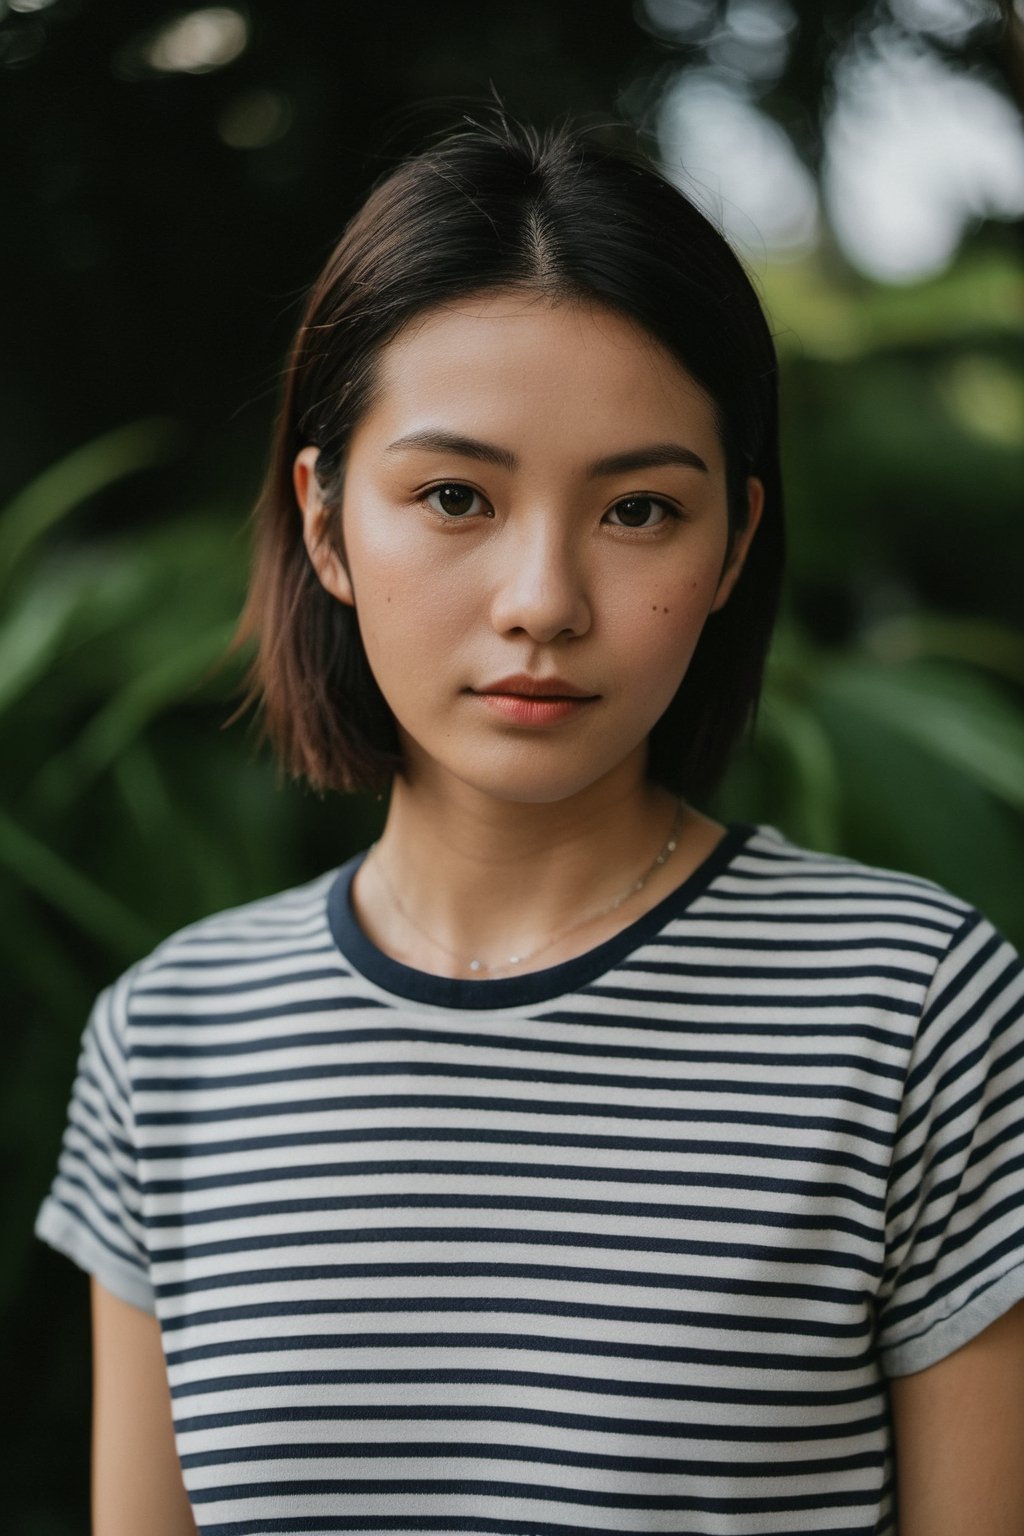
pixel 539 586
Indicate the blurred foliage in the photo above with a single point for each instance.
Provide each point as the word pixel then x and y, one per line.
pixel 125 812
pixel 151 282
pixel 891 728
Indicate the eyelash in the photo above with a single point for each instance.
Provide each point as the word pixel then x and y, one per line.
pixel 667 507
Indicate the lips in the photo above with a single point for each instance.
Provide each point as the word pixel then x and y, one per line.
pixel 523 686
pixel 529 702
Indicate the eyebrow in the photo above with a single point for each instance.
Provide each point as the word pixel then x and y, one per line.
pixel 651 456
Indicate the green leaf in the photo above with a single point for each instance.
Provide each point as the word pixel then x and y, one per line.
pixel 812 813
pixel 69 482
pixel 931 637
pixel 72 893
pixel 174 678
pixel 43 617
pixel 961 718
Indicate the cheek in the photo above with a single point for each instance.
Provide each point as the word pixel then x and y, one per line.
pixel 408 607
pixel 669 615
pixel 657 633
pixel 671 632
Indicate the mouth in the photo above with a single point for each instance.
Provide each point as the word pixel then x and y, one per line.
pixel 523 686
pixel 533 701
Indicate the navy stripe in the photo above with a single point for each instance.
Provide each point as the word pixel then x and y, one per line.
pixel 401 1104
pixel 295 1525
pixel 740 1359
pixel 509 1304
pixel 262 1242
pixel 736 1215
pixel 672 1429
pixel 541 1456
pixel 825 1156
pixel 469 1269
pixel 869 1199
pixel 320 1072
pixel 807 1029
pixel 807 1059
pixel 426 1487
pixel 779 1398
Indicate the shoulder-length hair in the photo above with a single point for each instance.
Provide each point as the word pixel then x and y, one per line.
pixel 497 207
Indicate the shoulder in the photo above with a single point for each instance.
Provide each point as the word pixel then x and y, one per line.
pixel 285 915
pixel 772 895
pixel 771 868
pixel 816 944
pixel 273 942
pixel 826 901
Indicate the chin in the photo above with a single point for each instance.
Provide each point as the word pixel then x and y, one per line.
pixel 526 779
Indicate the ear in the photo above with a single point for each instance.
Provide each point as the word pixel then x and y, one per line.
pixel 326 560
pixel 741 543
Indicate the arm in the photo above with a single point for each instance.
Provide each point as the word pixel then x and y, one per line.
pixel 136 1476
pixel 959 1428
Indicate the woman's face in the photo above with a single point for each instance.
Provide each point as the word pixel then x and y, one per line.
pixel 535 531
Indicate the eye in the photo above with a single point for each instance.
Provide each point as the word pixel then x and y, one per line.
pixel 640 512
pixel 455 500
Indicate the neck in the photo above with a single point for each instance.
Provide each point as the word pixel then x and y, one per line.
pixel 462 875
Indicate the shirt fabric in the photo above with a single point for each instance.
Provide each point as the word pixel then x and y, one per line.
pixel 630 1244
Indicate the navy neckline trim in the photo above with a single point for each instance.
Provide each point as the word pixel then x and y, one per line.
pixel 534 986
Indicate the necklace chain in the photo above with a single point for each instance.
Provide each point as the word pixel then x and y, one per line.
pixel 477 965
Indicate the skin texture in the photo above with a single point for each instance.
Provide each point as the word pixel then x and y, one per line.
pixel 535 576
pixel 501 833
pixel 136 1476
pixel 959 1428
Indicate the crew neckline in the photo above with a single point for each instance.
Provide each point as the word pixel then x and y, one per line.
pixel 533 986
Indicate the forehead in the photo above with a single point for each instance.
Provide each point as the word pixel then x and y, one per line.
pixel 517 364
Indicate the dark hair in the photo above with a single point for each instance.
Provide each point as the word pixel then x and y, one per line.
pixel 495 207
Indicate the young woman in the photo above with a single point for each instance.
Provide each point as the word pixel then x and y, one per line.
pixel 568 1162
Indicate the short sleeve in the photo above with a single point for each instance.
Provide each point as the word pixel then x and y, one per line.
pixel 955 1205
pixel 93 1212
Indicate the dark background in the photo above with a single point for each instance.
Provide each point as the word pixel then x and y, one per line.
pixel 160 225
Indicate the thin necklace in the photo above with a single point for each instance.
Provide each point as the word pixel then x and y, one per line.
pixel 476 965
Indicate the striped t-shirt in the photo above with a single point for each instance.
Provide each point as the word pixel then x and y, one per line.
pixel 629 1244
